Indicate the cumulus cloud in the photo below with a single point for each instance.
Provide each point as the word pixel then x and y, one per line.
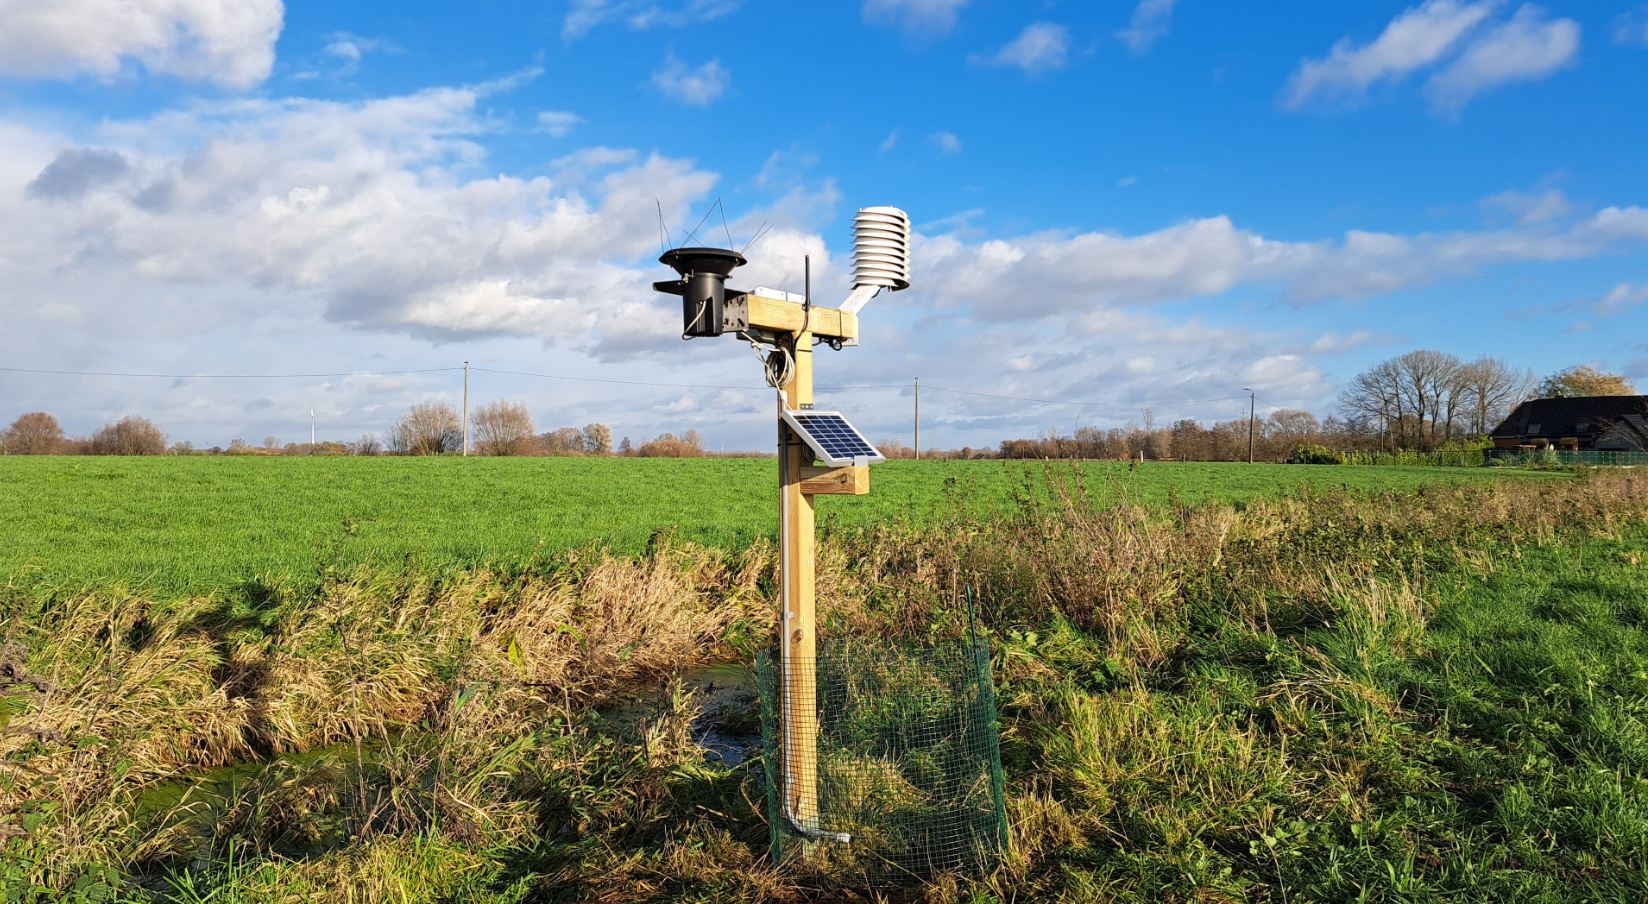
pixel 1040 47
pixel 1526 48
pixel 377 208
pixel 229 42
pixel 1211 256
pixel 1149 24
pixel 697 87
pixel 585 15
pixel 930 17
pixel 76 171
pixel 947 142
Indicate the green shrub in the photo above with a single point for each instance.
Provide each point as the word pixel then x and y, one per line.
pixel 1313 454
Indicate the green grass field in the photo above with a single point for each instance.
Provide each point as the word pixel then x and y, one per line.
pixel 178 524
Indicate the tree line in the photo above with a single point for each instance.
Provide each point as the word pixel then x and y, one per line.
pixel 426 428
pixel 1419 401
pixel 1423 400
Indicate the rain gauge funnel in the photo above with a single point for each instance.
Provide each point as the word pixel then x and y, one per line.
pixel 702 286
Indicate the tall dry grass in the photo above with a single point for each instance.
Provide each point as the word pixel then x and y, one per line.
pixel 442 690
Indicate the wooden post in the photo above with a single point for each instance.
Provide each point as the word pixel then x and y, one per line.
pixel 799 641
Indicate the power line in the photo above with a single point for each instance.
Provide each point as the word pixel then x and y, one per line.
pixel 98 373
pixel 1079 401
pixel 522 373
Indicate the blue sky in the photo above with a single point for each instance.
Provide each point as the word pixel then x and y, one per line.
pixel 1120 206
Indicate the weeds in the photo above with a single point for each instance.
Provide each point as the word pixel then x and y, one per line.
pixel 1329 696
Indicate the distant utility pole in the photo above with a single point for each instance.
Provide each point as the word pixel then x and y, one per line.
pixel 466 409
pixel 918 419
pixel 311 426
pixel 1252 399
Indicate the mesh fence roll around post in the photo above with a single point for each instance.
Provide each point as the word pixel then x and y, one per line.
pixel 900 779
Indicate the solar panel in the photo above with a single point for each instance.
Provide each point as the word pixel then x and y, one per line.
pixel 832 439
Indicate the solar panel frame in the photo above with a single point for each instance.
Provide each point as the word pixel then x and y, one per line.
pixel 831 437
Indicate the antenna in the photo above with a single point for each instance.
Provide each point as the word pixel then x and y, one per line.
pixel 694 233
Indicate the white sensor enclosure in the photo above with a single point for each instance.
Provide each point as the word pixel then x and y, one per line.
pixel 881 254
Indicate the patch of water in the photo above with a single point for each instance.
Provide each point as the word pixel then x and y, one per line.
pixel 728 724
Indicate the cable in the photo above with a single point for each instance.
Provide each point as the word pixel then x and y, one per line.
pixel 784 370
pixel 358 373
pixel 1077 401
pixel 522 373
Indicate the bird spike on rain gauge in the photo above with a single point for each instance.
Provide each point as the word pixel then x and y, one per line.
pixel 785 327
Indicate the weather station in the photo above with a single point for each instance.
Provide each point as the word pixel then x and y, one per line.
pixel 819 452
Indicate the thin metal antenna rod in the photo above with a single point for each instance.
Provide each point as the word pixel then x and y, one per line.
pixel 694 233
pixel 765 226
pixel 663 241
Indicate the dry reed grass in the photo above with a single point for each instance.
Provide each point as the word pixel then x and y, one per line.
pixel 450 676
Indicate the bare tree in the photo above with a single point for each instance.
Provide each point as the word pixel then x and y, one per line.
pixel 35 433
pixel 1583 380
pixel 1374 396
pixel 1416 396
pixel 597 439
pixel 668 446
pixel 367 445
pixel 565 441
pixel 427 428
pixel 131 435
pixel 1490 389
pixel 502 428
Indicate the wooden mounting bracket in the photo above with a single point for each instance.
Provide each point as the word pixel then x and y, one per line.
pixel 759 312
pixel 848 480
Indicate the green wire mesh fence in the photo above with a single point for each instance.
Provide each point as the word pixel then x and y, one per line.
pixel 903 753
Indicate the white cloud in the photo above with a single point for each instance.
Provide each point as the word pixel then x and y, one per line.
pixel 1632 27
pixel 915 16
pixel 1212 256
pixel 1529 208
pixel 698 87
pixel 947 143
pixel 230 42
pixel 1483 55
pixel 1126 181
pixel 892 140
pixel 1417 38
pixel 784 169
pixel 1149 24
pixel 557 123
pixel 638 15
pixel 1040 47
pixel 378 209
pixel 1527 47
pixel 1621 298
pixel 347 50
